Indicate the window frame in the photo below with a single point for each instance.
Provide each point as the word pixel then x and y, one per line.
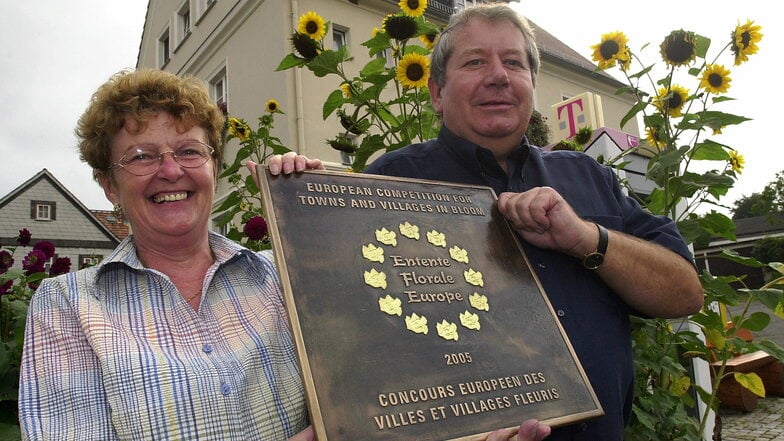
pixel 37 208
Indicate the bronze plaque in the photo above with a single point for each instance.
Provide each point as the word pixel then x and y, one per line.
pixel 414 310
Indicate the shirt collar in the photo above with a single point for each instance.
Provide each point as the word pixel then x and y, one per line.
pixel 125 253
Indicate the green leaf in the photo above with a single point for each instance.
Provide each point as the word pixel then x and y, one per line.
pixel 636 108
pixel 333 102
pixel 377 65
pixel 702 44
pixel 710 151
pixel 378 43
pixel 750 381
pixel 326 63
pixel 755 322
pixel 290 61
pixel 231 200
pixel 737 258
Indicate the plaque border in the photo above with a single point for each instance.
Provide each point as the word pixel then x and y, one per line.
pixel 311 396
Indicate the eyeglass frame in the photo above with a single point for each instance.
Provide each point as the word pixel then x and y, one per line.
pixel 159 159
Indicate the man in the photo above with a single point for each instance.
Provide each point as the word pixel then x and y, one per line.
pixel 599 256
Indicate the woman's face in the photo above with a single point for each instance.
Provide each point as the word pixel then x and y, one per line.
pixel 174 201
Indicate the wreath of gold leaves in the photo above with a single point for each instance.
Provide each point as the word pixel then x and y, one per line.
pixel 393 305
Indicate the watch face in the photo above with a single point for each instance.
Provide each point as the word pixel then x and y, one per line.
pixel 593 260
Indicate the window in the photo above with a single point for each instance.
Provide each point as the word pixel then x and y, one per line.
pixel 202 6
pixel 164 49
pixel 86 260
pixel 219 88
pixel 184 19
pixel 347 158
pixel 390 62
pixel 43 210
pixel 339 37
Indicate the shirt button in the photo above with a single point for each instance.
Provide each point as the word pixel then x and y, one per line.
pixel 206 348
pixel 225 389
pixel 583 427
pixel 561 313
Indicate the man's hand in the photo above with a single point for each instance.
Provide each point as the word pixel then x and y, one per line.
pixel 305 435
pixel 543 218
pixel 530 430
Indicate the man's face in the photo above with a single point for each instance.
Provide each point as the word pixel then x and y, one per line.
pixel 487 97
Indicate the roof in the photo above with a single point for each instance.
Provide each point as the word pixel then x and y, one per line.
pixel 759 225
pixel 44 174
pixel 109 219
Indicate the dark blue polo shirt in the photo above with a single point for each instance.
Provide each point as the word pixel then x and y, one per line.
pixel 595 319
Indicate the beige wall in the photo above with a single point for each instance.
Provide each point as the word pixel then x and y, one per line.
pixel 249 38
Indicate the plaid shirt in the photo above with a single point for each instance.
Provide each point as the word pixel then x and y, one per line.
pixel 115 352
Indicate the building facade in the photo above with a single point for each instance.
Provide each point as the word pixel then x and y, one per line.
pixel 236 45
pixel 50 212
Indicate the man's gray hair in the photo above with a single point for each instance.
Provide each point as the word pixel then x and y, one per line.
pixel 491 12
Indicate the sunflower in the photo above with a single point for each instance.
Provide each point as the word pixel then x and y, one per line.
pixel 413 8
pixel 656 137
pixel 671 100
pixel 305 46
pixel 736 161
pixel 744 41
pixel 350 123
pixel 312 25
pixel 607 51
pixel 343 144
pixel 272 106
pixel 400 27
pixel 238 129
pixel 346 89
pixel 375 32
pixel 413 70
pixel 715 79
pixel 679 48
pixel 428 40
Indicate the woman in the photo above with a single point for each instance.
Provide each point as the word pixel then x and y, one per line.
pixel 179 333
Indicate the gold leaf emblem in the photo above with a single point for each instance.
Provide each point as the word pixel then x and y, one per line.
pixel 473 277
pixel 479 301
pixel 376 279
pixel 416 323
pixel 386 237
pixel 469 320
pixel 408 230
pixel 390 305
pixel 458 254
pixel 373 253
pixel 436 238
pixel 446 330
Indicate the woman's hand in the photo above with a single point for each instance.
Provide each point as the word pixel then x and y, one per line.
pixel 288 163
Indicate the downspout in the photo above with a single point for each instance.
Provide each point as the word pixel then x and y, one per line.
pixel 298 99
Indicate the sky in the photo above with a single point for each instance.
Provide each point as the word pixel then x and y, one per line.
pixel 54 54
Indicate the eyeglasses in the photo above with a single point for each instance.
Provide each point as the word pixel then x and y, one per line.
pixel 146 159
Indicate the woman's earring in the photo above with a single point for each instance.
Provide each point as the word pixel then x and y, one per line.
pixel 118 211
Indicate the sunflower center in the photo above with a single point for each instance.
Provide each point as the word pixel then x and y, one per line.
pixel 745 39
pixel 312 27
pixel 413 4
pixel 414 72
pixel 715 79
pixel 675 101
pixel 609 49
pixel 679 51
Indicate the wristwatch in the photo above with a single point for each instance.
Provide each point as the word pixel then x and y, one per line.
pixel 594 260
